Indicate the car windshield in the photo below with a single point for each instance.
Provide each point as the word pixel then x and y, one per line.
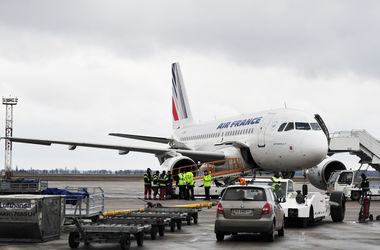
pixel 244 194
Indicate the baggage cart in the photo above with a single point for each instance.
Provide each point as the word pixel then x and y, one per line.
pixel 105 233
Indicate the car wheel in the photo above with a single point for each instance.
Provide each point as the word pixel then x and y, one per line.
pixel 270 234
pixel 219 236
pixel 281 232
pixel 338 212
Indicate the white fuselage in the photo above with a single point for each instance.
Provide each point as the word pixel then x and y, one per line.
pixel 303 146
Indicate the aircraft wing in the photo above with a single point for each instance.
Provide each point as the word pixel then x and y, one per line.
pixel 143 138
pixel 195 155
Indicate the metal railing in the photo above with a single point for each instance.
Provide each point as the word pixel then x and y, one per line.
pixel 215 168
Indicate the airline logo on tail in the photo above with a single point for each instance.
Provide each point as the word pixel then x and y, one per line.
pixel 179 99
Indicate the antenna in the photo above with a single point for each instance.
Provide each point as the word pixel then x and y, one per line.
pixel 9 102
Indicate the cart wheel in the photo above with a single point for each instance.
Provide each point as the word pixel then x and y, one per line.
pixel 95 218
pixel 161 230
pixel 355 195
pixel 125 241
pixel 86 243
pixel 371 217
pixel 195 217
pixel 179 224
pixel 74 240
pixel 188 220
pixel 153 233
pixel 140 238
pixel 172 226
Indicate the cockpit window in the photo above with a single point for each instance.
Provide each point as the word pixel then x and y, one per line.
pixel 290 126
pixel 281 127
pixel 302 126
pixel 315 126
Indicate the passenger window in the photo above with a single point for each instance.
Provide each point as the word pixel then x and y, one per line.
pixel 315 126
pixel 290 126
pixel 302 126
pixel 281 127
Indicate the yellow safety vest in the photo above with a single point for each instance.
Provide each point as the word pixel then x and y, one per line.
pixel 207 180
pixel 181 179
pixel 275 183
pixel 189 177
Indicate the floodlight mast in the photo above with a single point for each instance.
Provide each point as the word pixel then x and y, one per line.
pixel 9 102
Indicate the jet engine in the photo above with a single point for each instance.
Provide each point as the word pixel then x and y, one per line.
pixel 320 174
pixel 174 163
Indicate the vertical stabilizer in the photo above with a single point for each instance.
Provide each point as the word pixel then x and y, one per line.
pixel 180 105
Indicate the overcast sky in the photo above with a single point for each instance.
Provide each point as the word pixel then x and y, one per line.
pixel 83 69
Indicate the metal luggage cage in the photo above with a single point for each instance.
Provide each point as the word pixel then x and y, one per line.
pixel 12 187
pixel 89 207
pixel 105 233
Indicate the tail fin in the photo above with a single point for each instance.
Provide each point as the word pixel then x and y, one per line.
pixel 180 105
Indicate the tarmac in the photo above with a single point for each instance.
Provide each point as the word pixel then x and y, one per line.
pixel 323 235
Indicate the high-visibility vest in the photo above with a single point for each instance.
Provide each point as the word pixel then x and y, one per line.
pixel 169 180
pixel 155 180
pixel 181 179
pixel 147 179
pixel 189 178
pixel 275 183
pixel 207 180
pixel 162 180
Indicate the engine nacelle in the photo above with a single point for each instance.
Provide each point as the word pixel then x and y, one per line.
pixel 320 174
pixel 173 163
pixel 230 152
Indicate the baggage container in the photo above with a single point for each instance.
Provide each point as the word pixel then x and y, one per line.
pixel 31 218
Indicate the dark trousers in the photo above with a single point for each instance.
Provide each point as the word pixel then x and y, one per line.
pixel 147 190
pixel 182 192
pixel 162 193
pixel 207 193
pixel 155 191
pixel 190 192
pixel 169 192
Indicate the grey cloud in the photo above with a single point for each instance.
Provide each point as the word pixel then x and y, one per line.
pixel 321 37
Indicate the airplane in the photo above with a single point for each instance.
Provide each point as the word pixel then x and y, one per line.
pixel 279 140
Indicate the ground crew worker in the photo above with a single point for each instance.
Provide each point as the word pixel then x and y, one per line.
pixel 276 184
pixel 189 178
pixel 162 180
pixel 242 181
pixel 148 184
pixel 364 184
pixel 207 184
pixel 156 184
pixel 169 185
pixel 182 184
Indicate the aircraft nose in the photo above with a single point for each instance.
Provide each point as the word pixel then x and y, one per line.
pixel 315 149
